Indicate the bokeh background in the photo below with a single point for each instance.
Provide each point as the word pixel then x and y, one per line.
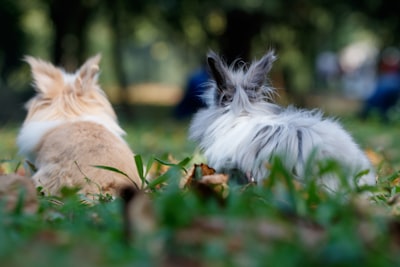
pixel 329 51
pixel 333 55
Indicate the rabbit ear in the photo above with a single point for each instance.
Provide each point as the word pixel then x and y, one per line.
pixel 257 72
pixel 220 73
pixel 48 79
pixel 217 69
pixel 87 75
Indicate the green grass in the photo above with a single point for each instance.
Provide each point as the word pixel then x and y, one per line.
pixel 8 134
pixel 153 131
pixel 278 224
pixel 382 138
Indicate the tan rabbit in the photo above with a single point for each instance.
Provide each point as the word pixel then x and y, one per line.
pixel 71 127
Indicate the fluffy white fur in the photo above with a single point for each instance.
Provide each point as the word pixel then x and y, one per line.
pixel 71 126
pixel 241 129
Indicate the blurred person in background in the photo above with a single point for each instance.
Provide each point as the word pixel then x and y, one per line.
pixel 192 98
pixel 387 89
pixel 328 70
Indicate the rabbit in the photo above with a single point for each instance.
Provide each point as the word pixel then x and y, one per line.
pixel 69 128
pixel 243 129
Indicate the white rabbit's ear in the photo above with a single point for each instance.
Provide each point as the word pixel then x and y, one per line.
pixel 221 75
pixel 217 69
pixel 257 72
pixel 48 79
pixel 87 75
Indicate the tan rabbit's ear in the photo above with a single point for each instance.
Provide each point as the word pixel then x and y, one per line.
pixel 86 76
pixel 47 78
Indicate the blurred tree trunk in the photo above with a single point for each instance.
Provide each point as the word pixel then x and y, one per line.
pixel 241 28
pixel 13 45
pixel 70 21
pixel 119 24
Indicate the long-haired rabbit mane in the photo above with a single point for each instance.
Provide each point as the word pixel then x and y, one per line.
pixel 243 129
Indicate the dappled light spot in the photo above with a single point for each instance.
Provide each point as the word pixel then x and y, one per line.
pixel 154 94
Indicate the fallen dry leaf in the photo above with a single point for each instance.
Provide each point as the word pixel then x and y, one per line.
pixel 197 171
pixel 374 157
pixel 206 182
pixel 215 179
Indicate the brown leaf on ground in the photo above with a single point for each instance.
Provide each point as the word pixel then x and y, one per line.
pixel 206 170
pixel 374 157
pixel 197 171
pixel 206 182
pixel 215 179
pixel 14 188
pixel 382 162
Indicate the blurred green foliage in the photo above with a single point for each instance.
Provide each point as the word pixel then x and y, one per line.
pixel 154 40
pixel 163 41
pixel 281 223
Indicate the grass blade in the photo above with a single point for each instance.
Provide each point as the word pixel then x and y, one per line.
pixel 149 165
pixel 108 168
pixel 180 164
pixel 139 166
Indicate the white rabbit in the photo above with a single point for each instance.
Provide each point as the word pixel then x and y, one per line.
pixel 241 129
pixel 71 127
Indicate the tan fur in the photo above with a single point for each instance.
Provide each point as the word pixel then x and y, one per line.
pixel 60 99
pixel 69 128
pixel 68 153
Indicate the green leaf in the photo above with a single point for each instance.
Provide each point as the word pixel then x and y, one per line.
pixel 139 166
pixel 149 164
pixel 108 168
pixel 159 180
pixel 184 162
pixel 173 172
pixel 166 163
pixel 180 164
pixel 389 178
